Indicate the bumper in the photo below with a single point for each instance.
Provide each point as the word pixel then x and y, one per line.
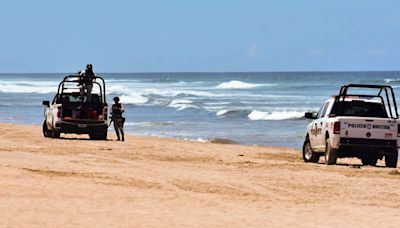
pixel 82 127
pixel 367 144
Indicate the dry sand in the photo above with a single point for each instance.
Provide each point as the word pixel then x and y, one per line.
pixel 152 182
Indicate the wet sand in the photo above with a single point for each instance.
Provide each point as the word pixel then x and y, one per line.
pixel 153 182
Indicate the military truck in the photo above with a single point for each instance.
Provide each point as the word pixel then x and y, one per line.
pixel 70 111
pixel 352 124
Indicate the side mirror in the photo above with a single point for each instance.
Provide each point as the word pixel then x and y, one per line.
pixel 46 103
pixel 310 115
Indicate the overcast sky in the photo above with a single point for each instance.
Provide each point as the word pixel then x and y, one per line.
pixel 202 35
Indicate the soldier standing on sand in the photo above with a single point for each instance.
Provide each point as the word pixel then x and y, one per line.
pixel 116 116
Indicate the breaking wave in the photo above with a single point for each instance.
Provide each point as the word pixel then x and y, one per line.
pixel 116 89
pixel 284 115
pixel 27 87
pixel 133 99
pixel 181 104
pixel 222 112
pixel 392 80
pixel 240 85
pixel 235 112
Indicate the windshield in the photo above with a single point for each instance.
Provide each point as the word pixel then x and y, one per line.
pixel 360 108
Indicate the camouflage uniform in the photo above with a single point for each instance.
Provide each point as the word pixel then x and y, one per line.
pixel 116 111
pixel 87 77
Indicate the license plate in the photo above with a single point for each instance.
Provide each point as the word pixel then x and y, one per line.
pixel 82 125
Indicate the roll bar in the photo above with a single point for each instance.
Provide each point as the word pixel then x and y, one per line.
pixel 78 78
pixel 388 92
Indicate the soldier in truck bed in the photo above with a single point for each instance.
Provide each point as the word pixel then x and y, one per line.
pixel 87 77
pixel 116 116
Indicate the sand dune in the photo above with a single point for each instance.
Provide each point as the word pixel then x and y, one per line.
pixel 152 182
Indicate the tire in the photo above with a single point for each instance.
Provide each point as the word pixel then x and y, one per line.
pixel 55 134
pixel 98 136
pixel 330 153
pixel 391 159
pixel 369 159
pixel 46 132
pixel 308 154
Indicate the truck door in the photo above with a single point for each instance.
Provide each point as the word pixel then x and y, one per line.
pixel 323 125
pixel 316 130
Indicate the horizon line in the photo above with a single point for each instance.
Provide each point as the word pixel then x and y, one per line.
pixel 205 72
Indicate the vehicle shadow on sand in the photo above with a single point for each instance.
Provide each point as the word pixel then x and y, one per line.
pixel 355 166
pixel 83 139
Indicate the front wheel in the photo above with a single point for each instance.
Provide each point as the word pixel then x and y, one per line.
pixel 46 131
pixel 308 154
pixel 55 134
pixel 391 159
pixel 330 153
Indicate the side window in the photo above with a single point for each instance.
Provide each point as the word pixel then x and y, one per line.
pixel 324 110
pixel 321 110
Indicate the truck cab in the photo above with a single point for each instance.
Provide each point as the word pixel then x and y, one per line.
pixel 365 126
pixel 71 112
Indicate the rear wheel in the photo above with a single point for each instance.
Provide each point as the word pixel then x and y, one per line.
pixel 46 131
pixel 308 154
pixel 391 159
pixel 369 159
pixel 330 153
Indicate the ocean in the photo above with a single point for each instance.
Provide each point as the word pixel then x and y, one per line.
pixel 247 108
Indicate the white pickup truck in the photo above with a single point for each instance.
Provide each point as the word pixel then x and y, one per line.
pixel 365 126
pixel 72 112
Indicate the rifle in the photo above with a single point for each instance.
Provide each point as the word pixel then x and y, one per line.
pixel 111 121
pixel 118 114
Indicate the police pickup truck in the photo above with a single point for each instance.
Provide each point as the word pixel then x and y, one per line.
pixel 72 112
pixel 350 124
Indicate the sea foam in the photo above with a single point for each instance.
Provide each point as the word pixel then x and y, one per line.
pixel 233 112
pixel 181 104
pixel 389 80
pixel 240 85
pixel 257 115
pixel 133 99
pixel 222 112
pixel 26 89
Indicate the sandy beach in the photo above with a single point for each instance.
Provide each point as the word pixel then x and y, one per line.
pixel 154 182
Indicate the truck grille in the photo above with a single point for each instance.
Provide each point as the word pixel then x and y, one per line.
pixel 368 142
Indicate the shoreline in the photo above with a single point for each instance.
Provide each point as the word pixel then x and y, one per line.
pixel 149 181
pixel 111 136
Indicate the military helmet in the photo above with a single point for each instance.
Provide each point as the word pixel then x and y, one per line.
pixel 116 99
